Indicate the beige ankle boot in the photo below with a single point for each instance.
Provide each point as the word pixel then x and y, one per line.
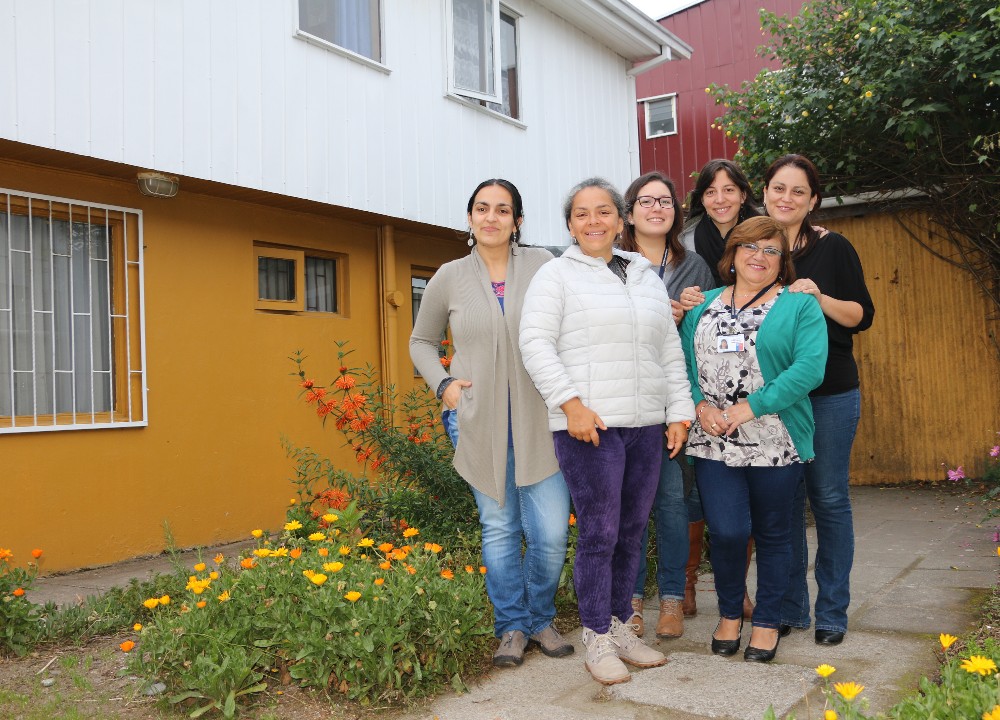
pixel 671 621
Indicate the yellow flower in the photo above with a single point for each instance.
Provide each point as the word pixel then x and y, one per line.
pixel 848 690
pixel 197 586
pixel 292 501
pixel 365 542
pixel 410 532
pixel 224 596
pixel 317 579
pixel 344 550
pixel 257 533
pixel 979 664
pixel 868 93
pixel 333 567
pixel 279 552
pixel 317 536
pixel 353 596
pixel 830 715
pixel 825 670
pixel 165 600
pixel 262 552
pixel 293 525
pixel 946 640
pixel 993 714
pixel 213 575
pixel 805 113
pixel 330 518
pixel 218 559
pixel 200 567
pixel 137 627
pixel 433 547
pixel 151 603
pixel 308 573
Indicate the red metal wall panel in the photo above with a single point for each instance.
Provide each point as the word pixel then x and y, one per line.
pixel 725 35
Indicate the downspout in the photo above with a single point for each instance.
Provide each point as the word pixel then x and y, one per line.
pixel 389 300
pixel 633 121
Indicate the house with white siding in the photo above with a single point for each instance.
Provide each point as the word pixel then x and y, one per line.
pixel 191 190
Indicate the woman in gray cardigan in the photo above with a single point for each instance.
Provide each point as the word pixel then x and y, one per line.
pixel 492 413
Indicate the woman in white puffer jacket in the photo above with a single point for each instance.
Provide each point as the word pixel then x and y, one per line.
pixel 599 342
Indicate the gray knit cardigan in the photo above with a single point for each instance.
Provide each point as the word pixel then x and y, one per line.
pixel 487 354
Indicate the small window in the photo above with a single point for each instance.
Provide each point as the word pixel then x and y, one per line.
pixel 354 25
pixel 661 116
pixel 418 284
pixel 483 55
pixel 71 333
pixel 296 280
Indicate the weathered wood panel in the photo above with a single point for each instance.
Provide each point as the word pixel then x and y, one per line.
pixel 930 377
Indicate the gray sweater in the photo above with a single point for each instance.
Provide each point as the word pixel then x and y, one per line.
pixel 692 271
pixel 487 354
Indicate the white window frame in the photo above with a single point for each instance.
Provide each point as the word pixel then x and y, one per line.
pixel 646 102
pixel 379 64
pixel 453 88
pixel 128 408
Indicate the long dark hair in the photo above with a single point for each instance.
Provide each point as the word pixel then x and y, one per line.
pixel 628 242
pixel 707 176
pixel 515 197
pixel 806 232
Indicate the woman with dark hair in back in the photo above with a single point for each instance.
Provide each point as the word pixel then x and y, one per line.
pixel 494 415
pixel 829 269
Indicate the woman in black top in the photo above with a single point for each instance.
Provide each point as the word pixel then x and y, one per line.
pixel 828 267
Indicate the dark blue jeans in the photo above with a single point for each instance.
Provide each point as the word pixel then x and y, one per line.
pixel 670 519
pixel 612 487
pixel 827 488
pixel 738 502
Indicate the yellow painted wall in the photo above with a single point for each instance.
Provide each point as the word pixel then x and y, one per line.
pixel 210 463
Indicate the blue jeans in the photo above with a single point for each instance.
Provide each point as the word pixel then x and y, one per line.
pixel 613 486
pixel 739 501
pixel 826 485
pixel 522 588
pixel 670 517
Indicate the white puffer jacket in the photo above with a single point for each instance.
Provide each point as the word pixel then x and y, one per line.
pixel 586 334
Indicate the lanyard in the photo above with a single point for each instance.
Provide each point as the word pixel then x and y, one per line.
pixel 663 262
pixel 734 313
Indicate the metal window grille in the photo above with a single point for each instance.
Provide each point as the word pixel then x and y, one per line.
pixel 321 284
pixel 71 328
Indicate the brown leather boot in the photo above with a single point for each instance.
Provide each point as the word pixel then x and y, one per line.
pixel 696 538
pixel 671 621
pixel 747 602
pixel 636 621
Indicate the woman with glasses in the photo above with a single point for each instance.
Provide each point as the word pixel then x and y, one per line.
pixel 494 416
pixel 829 269
pixel 754 353
pixel 652 229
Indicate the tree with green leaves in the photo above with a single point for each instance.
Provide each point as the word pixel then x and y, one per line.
pixel 889 97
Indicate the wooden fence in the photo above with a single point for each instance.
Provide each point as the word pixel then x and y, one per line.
pixel 930 373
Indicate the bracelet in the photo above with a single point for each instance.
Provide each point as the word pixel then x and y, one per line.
pixel 703 408
pixel 444 386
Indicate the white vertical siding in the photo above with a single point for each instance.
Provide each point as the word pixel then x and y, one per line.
pixel 223 90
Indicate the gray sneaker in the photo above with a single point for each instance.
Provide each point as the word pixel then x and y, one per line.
pixel 551 642
pixel 511 650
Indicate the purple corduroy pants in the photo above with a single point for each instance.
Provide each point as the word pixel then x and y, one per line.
pixel 612 487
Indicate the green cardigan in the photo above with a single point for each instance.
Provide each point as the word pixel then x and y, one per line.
pixel 791 350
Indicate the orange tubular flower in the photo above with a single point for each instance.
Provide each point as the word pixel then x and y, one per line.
pixel 447 574
pixel 307 383
pixel 345 382
pixel 18 592
pixel 248 563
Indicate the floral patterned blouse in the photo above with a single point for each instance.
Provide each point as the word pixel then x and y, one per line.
pixel 727 377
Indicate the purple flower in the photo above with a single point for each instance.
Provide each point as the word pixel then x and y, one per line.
pixel 995 451
pixel 957 474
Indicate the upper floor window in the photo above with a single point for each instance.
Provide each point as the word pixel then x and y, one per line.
pixel 71 327
pixel 661 116
pixel 354 25
pixel 484 54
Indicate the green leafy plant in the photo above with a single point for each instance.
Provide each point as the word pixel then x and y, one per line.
pixel 21 623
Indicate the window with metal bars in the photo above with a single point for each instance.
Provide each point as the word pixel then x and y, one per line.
pixel 71 326
pixel 293 281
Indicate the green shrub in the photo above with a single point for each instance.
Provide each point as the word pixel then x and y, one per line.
pixel 21 623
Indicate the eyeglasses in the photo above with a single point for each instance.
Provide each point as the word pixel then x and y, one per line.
pixel 753 248
pixel 647 201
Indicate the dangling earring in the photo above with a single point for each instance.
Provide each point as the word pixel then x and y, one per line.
pixel 574 240
pixel 513 236
pixel 732 269
pixel 472 238
pixel 619 239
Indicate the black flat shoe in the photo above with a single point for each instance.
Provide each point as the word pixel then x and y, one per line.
pixel 829 637
pixel 726 647
pixel 753 654
pixel 784 630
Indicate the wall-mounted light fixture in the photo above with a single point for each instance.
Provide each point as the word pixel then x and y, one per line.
pixel 156 184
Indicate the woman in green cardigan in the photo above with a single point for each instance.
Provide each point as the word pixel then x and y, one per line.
pixel 754 351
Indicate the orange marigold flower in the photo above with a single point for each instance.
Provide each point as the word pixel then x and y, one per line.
pixel 469 569
pixel 482 569
pixel 323 552
pixel 127 646
pixel 380 581
pixel 446 361
pixel 345 382
pixel 410 532
pixel 36 553
pixel 447 574
pixel 344 550
pixel 164 600
pixel 295 553
pixel 445 343
pixel 353 596
pixel 572 519
pixel 385 547
pixel 385 565
pixel 5 554
pixel 18 592
pixel 200 567
pixel 200 604
pixel 218 559
pixel 410 569
pixel 248 563
pixel 307 383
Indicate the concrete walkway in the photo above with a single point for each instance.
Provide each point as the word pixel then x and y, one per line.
pixel 922 560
